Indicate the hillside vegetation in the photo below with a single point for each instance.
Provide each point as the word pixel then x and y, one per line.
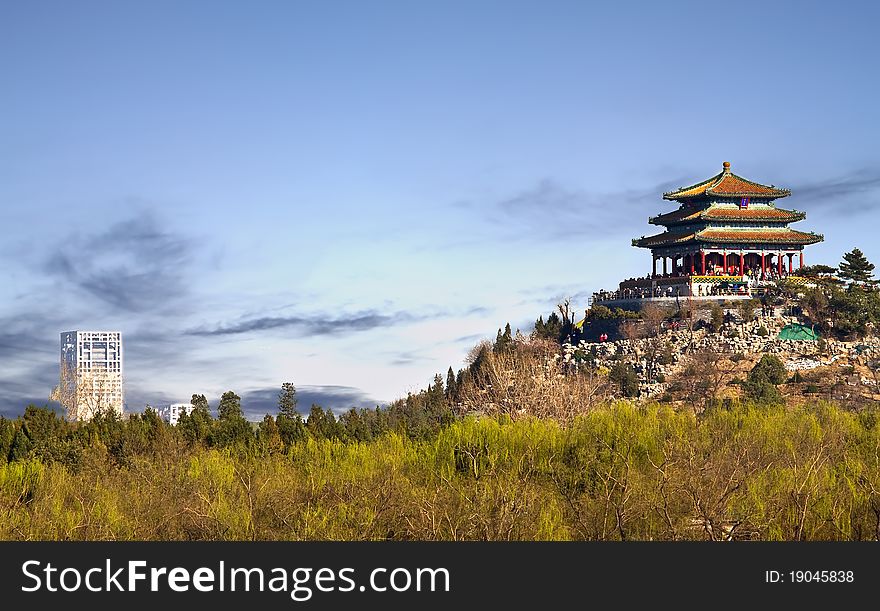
pixel 620 472
pixel 687 428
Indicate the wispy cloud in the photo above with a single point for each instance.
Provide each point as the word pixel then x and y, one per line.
pixel 407 358
pixel 554 211
pixel 829 192
pixel 134 266
pixel 311 325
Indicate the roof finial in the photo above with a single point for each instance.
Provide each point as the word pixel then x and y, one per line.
pixel 726 166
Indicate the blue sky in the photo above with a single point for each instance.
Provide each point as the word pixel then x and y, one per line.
pixel 349 195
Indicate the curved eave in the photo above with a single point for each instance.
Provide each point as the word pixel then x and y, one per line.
pixel 707 236
pixel 776 193
pixel 726 184
pixel 670 219
pixel 709 193
pixel 663 239
pixel 797 238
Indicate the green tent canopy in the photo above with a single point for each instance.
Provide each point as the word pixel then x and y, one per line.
pixel 798 332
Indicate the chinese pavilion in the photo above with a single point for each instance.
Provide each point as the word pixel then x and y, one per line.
pixel 727 225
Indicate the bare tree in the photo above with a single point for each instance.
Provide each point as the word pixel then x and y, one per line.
pixel 704 377
pixel 84 394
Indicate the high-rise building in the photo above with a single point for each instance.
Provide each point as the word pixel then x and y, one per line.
pixel 172 413
pixel 91 373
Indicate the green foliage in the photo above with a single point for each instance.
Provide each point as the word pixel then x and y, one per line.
pixel 747 308
pixel 287 400
pixel 763 332
pixel 230 406
pixel 815 271
pixel 551 329
pixel 231 428
pixel 291 429
pixel 322 424
pixel 200 403
pixel 451 386
pixel 504 340
pixel 624 377
pixel 762 381
pixel 856 268
pixel 599 312
pixel 7 433
pixel 622 471
pixel 196 426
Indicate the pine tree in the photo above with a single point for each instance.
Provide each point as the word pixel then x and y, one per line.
pixel 540 328
pixel 287 400
pixel 200 403
pixel 196 426
pixel 856 268
pixel 450 385
pixel 230 406
pixel 504 340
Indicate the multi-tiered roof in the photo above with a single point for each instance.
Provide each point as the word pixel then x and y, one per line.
pixel 727 210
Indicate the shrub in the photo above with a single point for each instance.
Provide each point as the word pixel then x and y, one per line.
pixel 624 377
pixel 765 376
pixel 762 331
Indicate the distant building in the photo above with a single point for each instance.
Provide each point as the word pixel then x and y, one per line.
pixel 91 373
pixel 171 413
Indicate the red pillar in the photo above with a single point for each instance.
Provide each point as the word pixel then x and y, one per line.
pixel 763 263
pixel 692 263
pixel 790 263
pixel 724 265
pixel 802 260
pixel 703 262
pixel 742 262
pixel 779 263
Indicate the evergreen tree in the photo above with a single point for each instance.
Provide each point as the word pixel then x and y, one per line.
pixel 7 432
pixel 856 268
pixel 624 376
pixel 291 429
pixel 232 429
pixel 762 381
pixel 230 406
pixel 322 424
pixel 552 329
pixel 354 423
pixel 503 341
pixel 20 447
pixel 287 400
pixel 196 426
pixel 200 403
pixel 451 391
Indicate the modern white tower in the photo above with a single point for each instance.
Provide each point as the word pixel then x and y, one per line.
pixel 91 373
